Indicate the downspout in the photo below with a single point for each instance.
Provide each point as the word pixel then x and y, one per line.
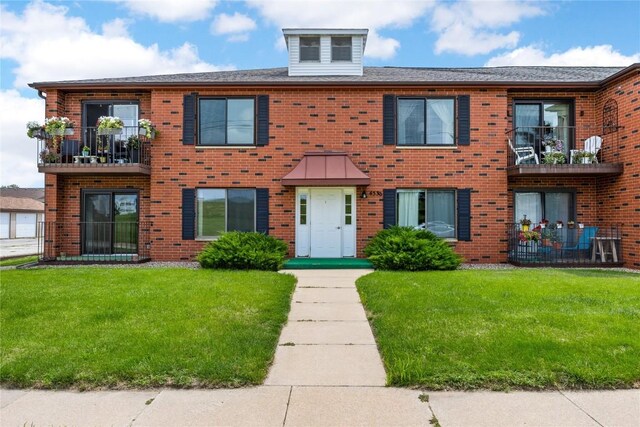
pixel 41 94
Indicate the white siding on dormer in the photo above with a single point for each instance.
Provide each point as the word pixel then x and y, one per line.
pixel 325 67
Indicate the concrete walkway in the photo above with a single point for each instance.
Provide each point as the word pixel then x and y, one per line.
pixel 326 372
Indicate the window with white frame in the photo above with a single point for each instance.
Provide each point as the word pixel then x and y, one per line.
pixel 341 49
pixel 310 49
pixel 426 121
pixel 433 210
pixel 226 121
pixel 220 210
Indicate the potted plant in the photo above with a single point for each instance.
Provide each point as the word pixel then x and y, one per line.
pixel 86 151
pixel 35 130
pixel 549 144
pixel 525 223
pixel 555 158
pixel 545 236
pixel 147 129
pixel 571 224
pixel 133 146
pixel 584 157
pixel 544 223
pixel 556 241
pixel 58 126
pixel 47 156
pixel 110 125
pixel 559 224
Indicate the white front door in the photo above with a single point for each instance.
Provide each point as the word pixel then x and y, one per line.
pixel 326 222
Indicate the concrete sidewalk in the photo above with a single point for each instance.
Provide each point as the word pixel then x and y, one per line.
pixel 326 372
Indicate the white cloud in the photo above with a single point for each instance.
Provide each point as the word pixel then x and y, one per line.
pixel 602 55
pixel 232 24
pixel 171 10
pixel 18 153
pixel 471 27
pixel 375 15
pixel 44 40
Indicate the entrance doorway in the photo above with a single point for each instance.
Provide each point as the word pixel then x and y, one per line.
pixel 110 223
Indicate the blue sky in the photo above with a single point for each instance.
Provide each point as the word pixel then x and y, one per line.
pixel 51 40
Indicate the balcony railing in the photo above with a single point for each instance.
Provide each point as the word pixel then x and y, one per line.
pixel 95 242
pixel 87 148
pixel 582 246
pixel 560 150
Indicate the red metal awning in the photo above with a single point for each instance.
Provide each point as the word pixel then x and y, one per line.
pixel 325 169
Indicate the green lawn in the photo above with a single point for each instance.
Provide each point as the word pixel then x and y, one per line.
pixel 119 328
pixel 18 261
pixel 495 329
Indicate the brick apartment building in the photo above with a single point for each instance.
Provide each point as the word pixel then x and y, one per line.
pixel 324 153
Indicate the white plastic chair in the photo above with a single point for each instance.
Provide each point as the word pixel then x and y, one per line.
pixel 523 153
pixel 591 145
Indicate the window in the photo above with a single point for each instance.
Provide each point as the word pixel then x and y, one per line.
pixel 226 121
pixel 303 209
pixel 537 120
pixel 423 121
pixel 348 209
pixel 433 210
pixel 310 49
pixel 538 205
pixel 220 210
pixel 341 48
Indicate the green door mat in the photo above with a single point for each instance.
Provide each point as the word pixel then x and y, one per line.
pixel 326 263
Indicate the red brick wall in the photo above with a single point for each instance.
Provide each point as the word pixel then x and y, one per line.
pixel 619 197
pixel 308 119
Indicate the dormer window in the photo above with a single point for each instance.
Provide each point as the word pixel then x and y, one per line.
pixel 310 49
pixel 341 49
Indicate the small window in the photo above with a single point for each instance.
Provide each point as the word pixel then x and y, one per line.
pixel 348 209
pixel 220 210
pixel 303 209
pixel 433 210
pixel 310 49
pixel 423 121
pixel 341 48
pixel 226 121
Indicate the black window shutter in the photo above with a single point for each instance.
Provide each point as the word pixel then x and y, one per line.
pixel 189 119
pixel 263 120
pixel 464 214
pixel 262 210
pixel 188 213
pixel 389 120
pixel 388 208
pixel 464 120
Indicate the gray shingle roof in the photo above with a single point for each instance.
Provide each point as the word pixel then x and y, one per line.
pixel 372 75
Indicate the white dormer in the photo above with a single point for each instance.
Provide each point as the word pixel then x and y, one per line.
pixel 325 52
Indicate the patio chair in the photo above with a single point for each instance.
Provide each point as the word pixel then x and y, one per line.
pixel 523 154
pixel 68 149
pixel 591 145
pixel 583 244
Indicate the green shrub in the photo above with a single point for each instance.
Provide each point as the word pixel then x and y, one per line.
pixel 404 248
pixel 244 251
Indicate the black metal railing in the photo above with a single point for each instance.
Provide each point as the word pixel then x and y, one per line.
pixel 95 242
pixel 585 245
pixel 558 145
pixel 90 146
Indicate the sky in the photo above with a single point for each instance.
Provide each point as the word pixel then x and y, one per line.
pixel 58 40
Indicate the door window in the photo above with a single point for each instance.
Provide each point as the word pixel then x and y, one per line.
pixel 110 223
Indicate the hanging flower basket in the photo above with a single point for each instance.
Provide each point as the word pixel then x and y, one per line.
pixel 61 132
pixel 146 128
pixel 58 126
pixel 109 131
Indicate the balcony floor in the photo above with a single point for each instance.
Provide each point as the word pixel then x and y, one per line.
pixel 97 168
pixel 595 169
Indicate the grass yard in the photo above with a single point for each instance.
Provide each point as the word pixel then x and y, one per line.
pixel 10 262
pixel 123 328
pixel 502 329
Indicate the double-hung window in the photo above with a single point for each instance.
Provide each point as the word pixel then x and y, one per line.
pixel 226 121
pixel 219 210
pixel 433 210
pixel 310 49
pixel 341 49
pixel 426 121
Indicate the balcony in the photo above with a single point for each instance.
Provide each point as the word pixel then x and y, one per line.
pixel 88 152
pixel 560 151
pixel 94 242
pixel 589 246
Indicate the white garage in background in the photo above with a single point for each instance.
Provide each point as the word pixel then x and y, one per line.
pixel 19 216
pixel 4 225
